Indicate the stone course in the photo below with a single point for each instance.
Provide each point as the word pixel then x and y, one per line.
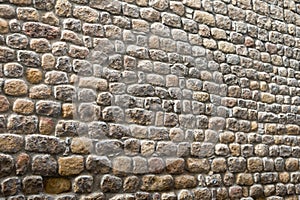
pixel 149 99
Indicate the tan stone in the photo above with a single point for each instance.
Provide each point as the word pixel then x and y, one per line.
pixel 4 104
pixel 15 87
pixel 23 106
pixel 204 18
pixel 46 125
pixel 218 33
pixel 50 18
pixel 209 43
pixel 201 96
pixel 67 110
pixel 292 129
pixel 284 177
pixel 185 181
pixel 3 26
pixel 72 165
pixel 40 45
pixel 226 47
pixel 244 179
pixel 57 185
pixel 48 61
pixel 235 149
pixel 255 164
pixel 196 165
pixel 63 8
pixel 227 137
pixel 157 183
pixel 267 97
pixel 292 164
pixel 27 14
pixel 11 143
pixel 21 2
pixel 81 145
pixel 219 165
pixel 34 76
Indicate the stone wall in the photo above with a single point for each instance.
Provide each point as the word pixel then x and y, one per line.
pixel 149 99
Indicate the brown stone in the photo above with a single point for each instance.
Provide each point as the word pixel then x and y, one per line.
pixel 15 87
pixel 21 2
pixel 3 26
pixel 46 125
pixel 204 18
pixel 22 163
pixel 23 106
pixel 11 143
pixel 4 104
pixel 67 110
pixel 244 179
pixel 81 145
pixel 72 165
pixel 131 184
pixel 196 165
pixel 57 185
pixel 291 164
pixel 63 8
pixel 34 76
pixel 48 61
pixel 175 165
pixel 157 183
pixel 185 181
pixel 40 45
pixel 27 14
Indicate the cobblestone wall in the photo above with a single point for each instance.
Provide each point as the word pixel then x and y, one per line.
pixel 149 99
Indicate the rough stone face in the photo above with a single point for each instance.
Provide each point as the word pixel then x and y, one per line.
pixel 44 165
pixel 72 165
pixel 111 183
pixel 43 144
pixel 10 186
pixel 157 183
pixel 10 143
pixel 15 87
pixel 32 184
pixel 4 104
pixel 6 165
pixel 57 185
pixel 83 184
pixel 22 124
pixel 36 29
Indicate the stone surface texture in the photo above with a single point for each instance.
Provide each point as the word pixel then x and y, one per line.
pixel 149 99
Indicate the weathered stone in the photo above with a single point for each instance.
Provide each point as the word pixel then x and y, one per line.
pixel 110 6
pixel 157 183
pixel 111 183
pixel 4 104
pixel 50 18
pixel 198 165
pixel 83 184
pixel 23 106
pixel 34 76
pixel 185 181
pixel 4 27
pixel 131 184
pixel 72 165
pixel 27 14
pixel 44 144
pixel 7 54
pixel 7 11
pixel 22 124
pixel 44 165
pixel 204 18
pixel 57 185
pixel 35 29
pixel 17 41
pixel 22 163
pixel 6 165
pixel 202 193
pixel 32 184
pixel 81 145
pixel 56 77
pixel 10 186
pixel 48 108
pixel 44 4
pixel 13 70
pixel 98 164
pixel 63 8
pixel 86 13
